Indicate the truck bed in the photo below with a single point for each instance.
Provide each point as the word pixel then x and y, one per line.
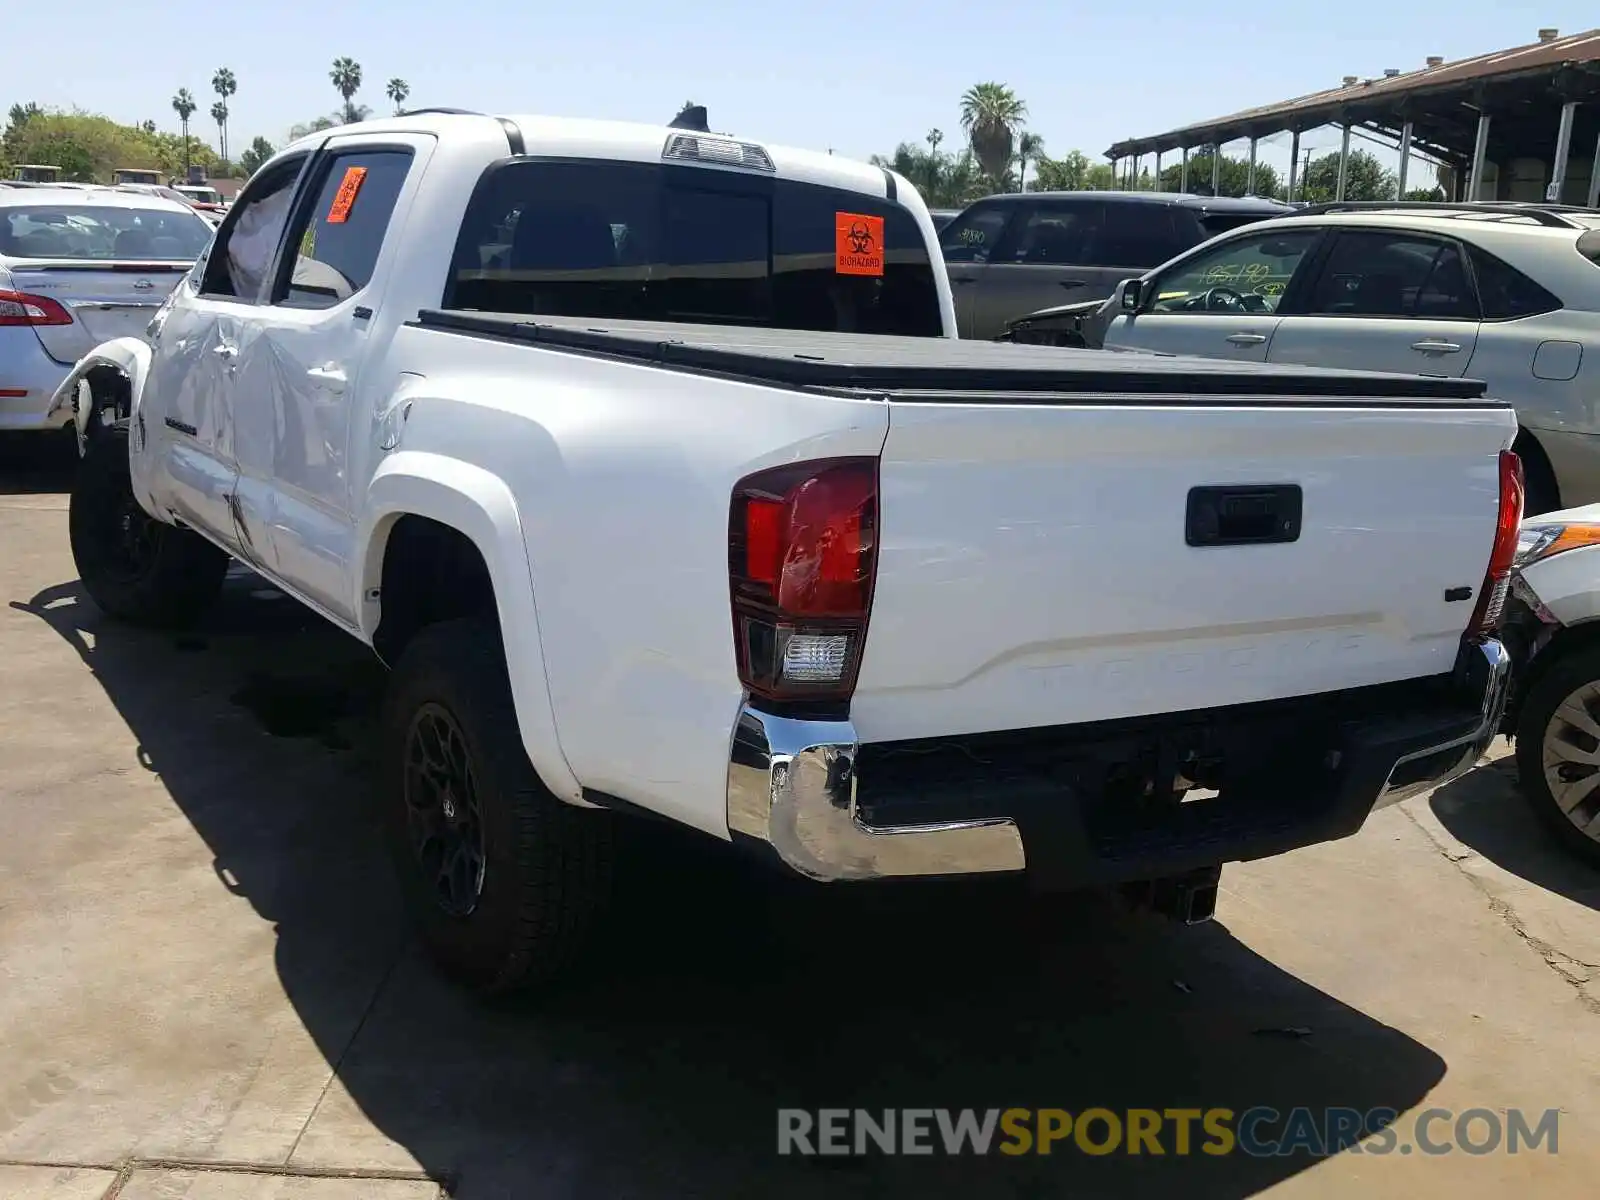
pixel 927 367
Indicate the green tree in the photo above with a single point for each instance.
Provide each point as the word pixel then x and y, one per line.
pixel 1435 194
pixel 993 117
pixel 1030 148
pixel 346 77
pixel 148 126
pixel 183 104
pixel 1069 173
pixel 88 147
pixel 1365 179
pixel 21 112
pixel 945 180
pixel 398 89
pixel 224 85
pixel 1233 176
pixel 219 114
pixel 254 155
pixel 315 125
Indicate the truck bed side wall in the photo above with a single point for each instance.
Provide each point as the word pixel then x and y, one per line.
pixel 622 476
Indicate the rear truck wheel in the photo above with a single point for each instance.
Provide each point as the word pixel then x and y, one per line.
pixel 1558 751
pixel 134 567
pixel 504 881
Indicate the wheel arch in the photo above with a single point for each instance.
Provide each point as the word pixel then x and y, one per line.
pixel 417 497
pixel 104 369
pixel 1538 472
pixel 1563 644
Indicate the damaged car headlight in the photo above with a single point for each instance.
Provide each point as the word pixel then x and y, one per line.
pixel 1537 541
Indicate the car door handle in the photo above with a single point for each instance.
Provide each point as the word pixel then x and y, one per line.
pixel 223 350
pixel 1073 283
pixel 329 377
pixel 1434 346
pixel 963 279
pixel 1247 339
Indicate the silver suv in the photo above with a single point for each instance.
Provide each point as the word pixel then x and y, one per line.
pixel 1506 293
pixel 1011 255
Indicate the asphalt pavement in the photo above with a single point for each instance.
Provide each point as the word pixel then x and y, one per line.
pixel 207 990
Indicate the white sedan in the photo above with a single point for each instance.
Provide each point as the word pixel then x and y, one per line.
pixel 79 267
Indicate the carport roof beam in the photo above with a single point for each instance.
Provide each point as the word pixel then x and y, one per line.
pixel 1436 89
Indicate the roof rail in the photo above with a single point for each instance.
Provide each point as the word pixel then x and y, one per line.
pixel 1548 215
pixel 449 112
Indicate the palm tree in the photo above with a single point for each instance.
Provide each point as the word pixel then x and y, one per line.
pixel 346 76
pixel 1030 148
pixel 224 85
pixel 183 104
pixel 398 90
pixel 219 114
pixel 992 116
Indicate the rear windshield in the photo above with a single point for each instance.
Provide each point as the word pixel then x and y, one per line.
pixel 647 241
pixel 101 231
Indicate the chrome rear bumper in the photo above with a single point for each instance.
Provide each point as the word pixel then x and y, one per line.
pixel 792 785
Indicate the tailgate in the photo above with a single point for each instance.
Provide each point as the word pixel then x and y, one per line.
pixel 106 300
pixel 1035 565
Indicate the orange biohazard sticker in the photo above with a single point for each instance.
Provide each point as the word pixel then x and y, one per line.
pixel 344 199
pixel 857 244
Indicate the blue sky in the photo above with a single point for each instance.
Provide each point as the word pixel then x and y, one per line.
pixel 856 77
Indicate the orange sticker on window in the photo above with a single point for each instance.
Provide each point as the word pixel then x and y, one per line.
pixel 857 244
pixel 345 198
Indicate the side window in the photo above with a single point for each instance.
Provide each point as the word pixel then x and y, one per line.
pixel 1054 235
pixel 1506 292
pixel 1139 235
pixel 236 266
pixel 1372 273
pixel 336 239
pixel 972 235
pixel 1246 274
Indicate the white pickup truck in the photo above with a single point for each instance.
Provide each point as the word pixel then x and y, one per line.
pixel 647 461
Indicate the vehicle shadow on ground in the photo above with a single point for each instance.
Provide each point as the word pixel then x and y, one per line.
pixel 720 994
pixel 1484 810
pixel 34 464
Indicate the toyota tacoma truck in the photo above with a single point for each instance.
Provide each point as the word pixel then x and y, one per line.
pixel 647 461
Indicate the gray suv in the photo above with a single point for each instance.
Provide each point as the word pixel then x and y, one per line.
pixel 1011 255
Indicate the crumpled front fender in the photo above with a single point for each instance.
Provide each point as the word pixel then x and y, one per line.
pixel 128 355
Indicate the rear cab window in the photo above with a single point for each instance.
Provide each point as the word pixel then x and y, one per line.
pixel 665 242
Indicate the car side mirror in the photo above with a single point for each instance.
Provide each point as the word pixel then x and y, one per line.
pixel 1132 295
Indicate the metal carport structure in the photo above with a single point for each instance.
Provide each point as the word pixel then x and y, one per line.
pixel 1494 120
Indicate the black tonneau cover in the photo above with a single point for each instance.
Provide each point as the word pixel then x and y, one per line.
pixel 927 367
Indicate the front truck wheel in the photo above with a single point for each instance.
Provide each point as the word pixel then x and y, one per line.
pixel 135 567
pixel 1558 751
pixel 504 881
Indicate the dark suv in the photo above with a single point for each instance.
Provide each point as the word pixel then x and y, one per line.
pixel 1011 255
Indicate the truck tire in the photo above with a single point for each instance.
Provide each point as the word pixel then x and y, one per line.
pixel 504 881
pixel 1540 726
pixel 134 567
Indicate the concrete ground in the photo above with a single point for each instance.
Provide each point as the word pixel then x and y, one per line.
pixel 206 989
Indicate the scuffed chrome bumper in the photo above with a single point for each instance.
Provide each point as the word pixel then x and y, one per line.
pixel 1484 669
pixel 792 785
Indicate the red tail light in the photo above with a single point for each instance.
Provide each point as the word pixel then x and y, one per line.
pixel 802 559
pixel 24 308
pixel 1497 581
